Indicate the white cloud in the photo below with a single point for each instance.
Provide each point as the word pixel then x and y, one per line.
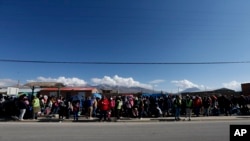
pixel 157 81
pixel 66 81
pixel 233 85
pixel 119 81
pixel 8 82
pixel 184 84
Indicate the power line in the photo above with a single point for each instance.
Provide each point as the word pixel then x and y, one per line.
pixel 123 63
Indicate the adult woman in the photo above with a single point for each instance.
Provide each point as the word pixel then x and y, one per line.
pixel 22 107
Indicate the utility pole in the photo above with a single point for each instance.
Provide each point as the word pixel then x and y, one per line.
pixel 18 84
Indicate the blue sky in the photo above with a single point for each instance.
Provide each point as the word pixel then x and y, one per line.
pixel 147 31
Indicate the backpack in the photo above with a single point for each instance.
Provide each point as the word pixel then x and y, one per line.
pixel 177 102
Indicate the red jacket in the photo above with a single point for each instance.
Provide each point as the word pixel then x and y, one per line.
pixel 197 102
pixel 104 104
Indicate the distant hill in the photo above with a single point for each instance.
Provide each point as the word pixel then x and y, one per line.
pixel 194 89
pixel 122 89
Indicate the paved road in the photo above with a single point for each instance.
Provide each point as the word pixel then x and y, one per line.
pixel 117 131
pixel 171 119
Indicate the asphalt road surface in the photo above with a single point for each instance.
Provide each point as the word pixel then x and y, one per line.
pixel 136 131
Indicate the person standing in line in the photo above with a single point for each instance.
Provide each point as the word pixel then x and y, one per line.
pixel 95 103
pixel 89 106
pixel 118 107
pixel 135 111
pixel 206 102
pixel 189 104
pixel 228 106
pixel 112 106
pixel 141 108
pixel 27 114
pixel 76 109
pixel 69 109
pixel 197 105
pixel 146 104
pixel 42 104
pixel 169 105
pixel 104 106
pixel 129 105
pixel 36 106
pixel 62 109
pixel 177 106
pixel 22 107
pixel 48 106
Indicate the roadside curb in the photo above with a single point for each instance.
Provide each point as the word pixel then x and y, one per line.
pixel 161 119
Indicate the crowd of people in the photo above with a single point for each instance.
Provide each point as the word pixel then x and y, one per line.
pixel 25 107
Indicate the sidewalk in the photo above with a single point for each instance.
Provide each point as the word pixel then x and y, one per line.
pixel 160 119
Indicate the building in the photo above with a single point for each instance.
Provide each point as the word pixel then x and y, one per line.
pixel 68 92
pixel 245 87
pixel 21 90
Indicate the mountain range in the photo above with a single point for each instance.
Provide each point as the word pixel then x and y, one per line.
pixel 123 89
pixel 194 89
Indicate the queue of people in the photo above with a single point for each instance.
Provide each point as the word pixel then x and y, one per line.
pixel 122 106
